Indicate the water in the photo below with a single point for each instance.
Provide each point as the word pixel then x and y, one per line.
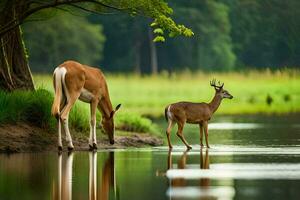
pixel 250 158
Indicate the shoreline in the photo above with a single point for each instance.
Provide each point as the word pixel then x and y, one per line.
pixel 23 137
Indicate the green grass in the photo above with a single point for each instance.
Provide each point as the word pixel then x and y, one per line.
pixel 148 95
pixel 35 107
pixel 30 106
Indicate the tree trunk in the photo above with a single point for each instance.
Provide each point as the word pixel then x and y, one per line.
pixel 14 69
pixel 137 55
pixel 137 48
pixel 153 53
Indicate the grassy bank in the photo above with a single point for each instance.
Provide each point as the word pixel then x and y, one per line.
pixel 35 107
pixel 29 106
pixel 148 95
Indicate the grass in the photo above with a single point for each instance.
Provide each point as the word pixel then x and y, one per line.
pixel 30 106
pixel 35 107
pixel 148 95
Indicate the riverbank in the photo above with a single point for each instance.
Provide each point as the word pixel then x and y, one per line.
pixel 24 137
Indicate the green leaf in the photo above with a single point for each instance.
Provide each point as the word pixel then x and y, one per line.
pixel 153 24
pixel 159 39
pixel 158 31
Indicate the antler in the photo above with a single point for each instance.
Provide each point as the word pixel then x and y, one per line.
pixel 213 84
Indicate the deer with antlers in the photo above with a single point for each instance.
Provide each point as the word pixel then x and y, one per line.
pixel 194 113
pixel 73 81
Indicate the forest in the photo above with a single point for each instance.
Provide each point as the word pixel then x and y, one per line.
pixel 229 35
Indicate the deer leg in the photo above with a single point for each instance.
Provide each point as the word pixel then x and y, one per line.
pixel 92 139
pixel 65 120
pixel 205 124
pixel 180 135
pixel 201 134
pixel 59 135
pixel 168 132
pixel 62 106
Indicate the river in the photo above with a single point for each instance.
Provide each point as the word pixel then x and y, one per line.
pixel 251 157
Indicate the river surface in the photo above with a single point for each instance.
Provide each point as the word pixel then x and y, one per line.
pixel 255 157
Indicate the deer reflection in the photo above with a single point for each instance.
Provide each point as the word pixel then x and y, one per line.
pixel 92 175
pixel 107 187
pixel 64 191
pixel 176 182
pixel 104 191
pixel 107 183
pixel 204 164
pixel 182 164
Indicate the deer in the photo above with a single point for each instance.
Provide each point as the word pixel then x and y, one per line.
pixel 73 81
pixel 194 113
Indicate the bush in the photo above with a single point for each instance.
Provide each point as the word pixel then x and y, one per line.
pixel 134 123
pixel 30 106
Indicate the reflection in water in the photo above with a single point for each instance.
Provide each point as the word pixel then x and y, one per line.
pixel 179 187
pixel 106 189
pixel 204 164
pixel 92 175
pixel 177 182
pixel 181 164
pixel 65 178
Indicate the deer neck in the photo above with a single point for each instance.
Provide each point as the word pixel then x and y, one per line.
pixel 215 103
pixel 105 107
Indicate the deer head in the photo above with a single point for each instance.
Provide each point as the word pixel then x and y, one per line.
pixel 219 89
pixel 108 124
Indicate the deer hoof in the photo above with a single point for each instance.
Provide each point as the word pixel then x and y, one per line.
pixel 189 147
pixel 95 146
pixel 70 148
pixel 91 148
pixel 59 148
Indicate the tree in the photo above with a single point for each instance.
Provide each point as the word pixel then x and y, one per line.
pixel 210 48
pixel 265 33
pixel 14 70
pixel 64 36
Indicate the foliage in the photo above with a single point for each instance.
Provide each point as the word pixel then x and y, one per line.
pixel 211 47
pixel 31 106
pixel 61 38
pixel 227 35
pixel 135 123
pixel 35 106
pixel 265 33
pixel 158 10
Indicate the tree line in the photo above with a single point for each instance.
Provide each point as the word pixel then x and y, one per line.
pixel 228 35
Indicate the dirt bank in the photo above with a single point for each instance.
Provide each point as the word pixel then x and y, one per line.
pixel 22 137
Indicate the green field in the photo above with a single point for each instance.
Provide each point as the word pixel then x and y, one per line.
pixel 148 95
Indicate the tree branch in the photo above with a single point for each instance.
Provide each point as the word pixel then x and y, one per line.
pixel 87 10
pixel 55 3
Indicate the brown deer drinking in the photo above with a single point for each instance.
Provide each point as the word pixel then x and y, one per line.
pixel 73 81
pixel 194 113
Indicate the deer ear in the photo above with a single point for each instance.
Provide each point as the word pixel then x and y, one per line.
pixel 114 111
pixel 117 107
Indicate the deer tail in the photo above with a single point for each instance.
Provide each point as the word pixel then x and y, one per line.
pixel 57 83
pixel 166 113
